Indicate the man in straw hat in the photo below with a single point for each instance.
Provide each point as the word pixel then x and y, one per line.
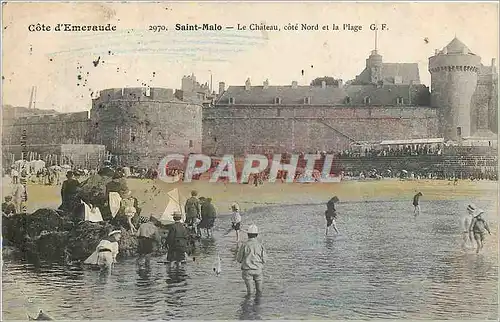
pixel 177 241
pixel 465 223
pixel 147 234
pixel 478 228
pixel 331 215
pixel 107 250
pixel 252 257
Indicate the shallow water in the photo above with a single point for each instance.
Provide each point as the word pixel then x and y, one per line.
pixel 385 264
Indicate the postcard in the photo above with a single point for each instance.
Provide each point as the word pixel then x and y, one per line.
pixel 249 160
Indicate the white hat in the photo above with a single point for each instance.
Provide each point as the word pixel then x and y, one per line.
pixel 253 230
pixel 471 207
pixel 114 232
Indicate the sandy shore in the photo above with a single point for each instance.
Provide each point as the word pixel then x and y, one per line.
pixel 153 194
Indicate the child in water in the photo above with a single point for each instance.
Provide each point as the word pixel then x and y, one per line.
pixel 478 228
pixel 331 215
pixel 236 220
pixel 416 205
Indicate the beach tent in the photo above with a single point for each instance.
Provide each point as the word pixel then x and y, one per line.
pixel 175 204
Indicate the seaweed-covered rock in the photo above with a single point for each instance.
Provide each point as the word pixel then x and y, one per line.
pixel 50 244
pixel 93 190
pixel 85 237
pixel 44 219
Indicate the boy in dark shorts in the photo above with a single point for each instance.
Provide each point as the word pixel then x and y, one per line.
pixel 416 210
pixel 147 235
pixel 331 215
pixel 236 220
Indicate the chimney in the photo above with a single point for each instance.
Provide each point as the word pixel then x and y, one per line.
pixel 222 87
pixel 323 84
pixel 294 84
pixel 436 51
pixel 493 67
pixel 266 84
pixel 248 84
pixel 340 83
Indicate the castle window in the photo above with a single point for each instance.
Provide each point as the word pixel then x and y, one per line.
pixel 347 100
pixel 133 135
pixel 231 100
pixel 307 100
pixel 400 100
pixel 191 143
pixel 279 112
pixel 459 131
pixel 367 100
pixel 277 100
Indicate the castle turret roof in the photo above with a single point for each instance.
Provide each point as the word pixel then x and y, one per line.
pixel 457 47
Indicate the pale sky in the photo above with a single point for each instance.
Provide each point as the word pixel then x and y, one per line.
pixel 52 60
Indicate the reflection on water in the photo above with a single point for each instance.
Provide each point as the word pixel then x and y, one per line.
pixel 250 308
pixel 384 264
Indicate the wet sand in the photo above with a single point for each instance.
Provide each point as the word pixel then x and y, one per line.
pixel 152 194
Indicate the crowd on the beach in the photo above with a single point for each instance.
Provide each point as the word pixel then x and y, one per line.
pixel 396 151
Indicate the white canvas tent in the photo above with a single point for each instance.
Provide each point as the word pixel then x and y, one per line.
pixel 175 204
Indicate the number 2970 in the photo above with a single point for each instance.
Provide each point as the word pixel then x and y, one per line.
pixel 157 28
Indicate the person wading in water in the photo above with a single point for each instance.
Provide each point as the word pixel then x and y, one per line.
pixel 478 227
pixel 465 223
pixel 236 220
pixel 252 257
pixel 107 250
pixel 147 234
pixel 208 215
pixel 177 241
pixel 331 215
pixel 192 210
pixel 416 205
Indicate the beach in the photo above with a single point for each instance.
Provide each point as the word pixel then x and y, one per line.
pixel 152 194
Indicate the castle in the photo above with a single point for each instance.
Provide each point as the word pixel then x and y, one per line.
pixel 385 101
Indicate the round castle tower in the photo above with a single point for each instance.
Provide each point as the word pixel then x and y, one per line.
pixel 142 125
pixel 454 73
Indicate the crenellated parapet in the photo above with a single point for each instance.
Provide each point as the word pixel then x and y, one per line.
pixel 472 69
pixel 136 94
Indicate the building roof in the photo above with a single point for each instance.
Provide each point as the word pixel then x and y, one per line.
pixel 407 71
pixel 457 47
pixel 379 95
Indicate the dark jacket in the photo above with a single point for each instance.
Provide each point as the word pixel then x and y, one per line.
pixel 70 194
pixel 192 208
pixel 330 208
pixel 177 236
pixel 208 210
